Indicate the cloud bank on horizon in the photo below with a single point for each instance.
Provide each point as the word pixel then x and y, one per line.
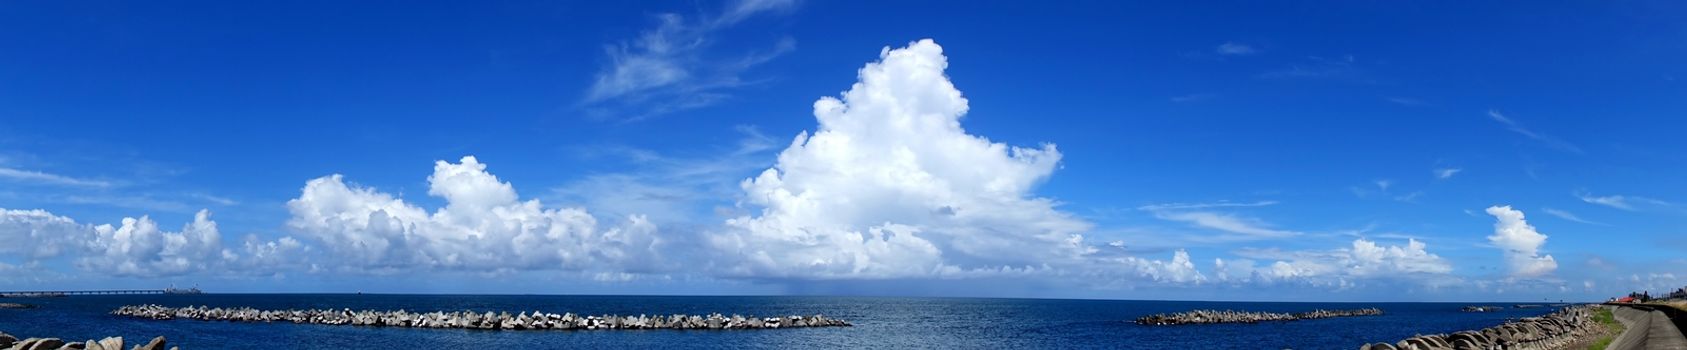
pixel 135 248
pixel 888 186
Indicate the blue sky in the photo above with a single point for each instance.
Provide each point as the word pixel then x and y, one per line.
pixel 1232 151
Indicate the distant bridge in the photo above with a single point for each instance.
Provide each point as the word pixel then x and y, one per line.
pixel 61 293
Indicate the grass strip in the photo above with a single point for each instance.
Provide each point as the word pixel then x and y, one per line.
pixel 1604 316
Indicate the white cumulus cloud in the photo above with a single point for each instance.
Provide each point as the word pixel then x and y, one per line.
pixel 136 247
pixel 1521 243
pixel 37 234
pixel 1363 259
pixel 1179 270
pixel 891 185
pixel 270 256
pixel 483 226
pixel 1367 258
pixel 139 248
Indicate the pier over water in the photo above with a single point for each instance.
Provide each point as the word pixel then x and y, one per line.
pixel 65 293
pixel 62 293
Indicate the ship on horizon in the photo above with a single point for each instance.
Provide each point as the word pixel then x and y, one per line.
pixel 174 290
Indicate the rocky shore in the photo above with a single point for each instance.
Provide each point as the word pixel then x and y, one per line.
pixel 1230 316
pixel 1481 308
pixel 475 320
pixel 1558 330
pixel 9 342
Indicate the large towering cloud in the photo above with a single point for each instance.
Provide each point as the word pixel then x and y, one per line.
pixel 1521 243
pixel 891 185
pixel 483 226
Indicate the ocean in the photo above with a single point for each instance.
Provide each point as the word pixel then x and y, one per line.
pixel 880 322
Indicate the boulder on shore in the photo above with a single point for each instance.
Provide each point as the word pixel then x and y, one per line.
pixel 1231 316
pixel 9 342
pixel 1481 308
pixel 1557 330
pixel 155 344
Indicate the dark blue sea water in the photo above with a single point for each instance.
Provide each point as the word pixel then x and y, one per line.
pixel 879 323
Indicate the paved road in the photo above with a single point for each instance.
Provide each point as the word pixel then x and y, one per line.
pixel 1647 329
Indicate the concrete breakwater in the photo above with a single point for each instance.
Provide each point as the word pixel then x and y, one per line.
pixel 1647 327
pixel 1230 316
pixel 475 320
pixel 10 342
pixel 1558 330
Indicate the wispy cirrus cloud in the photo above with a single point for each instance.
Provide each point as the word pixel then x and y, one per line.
pixel 213 199
pixel 1218 204
pixel 670 68
pixel 1618 202
pixel 136 201
pixel 670 187
pixel 1203 215
pixel 33 176
pixel 1411 197
pixel 1226 222
pixel 1630 203
pixel 1446 173
pixel 1518 128
pixel 1192 98
pixel 1404 101
pixel 1317 67
pixel 1561 214
pixel 1231 48
pixel 1382 188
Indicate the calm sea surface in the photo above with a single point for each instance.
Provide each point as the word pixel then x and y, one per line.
pixel 879 323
